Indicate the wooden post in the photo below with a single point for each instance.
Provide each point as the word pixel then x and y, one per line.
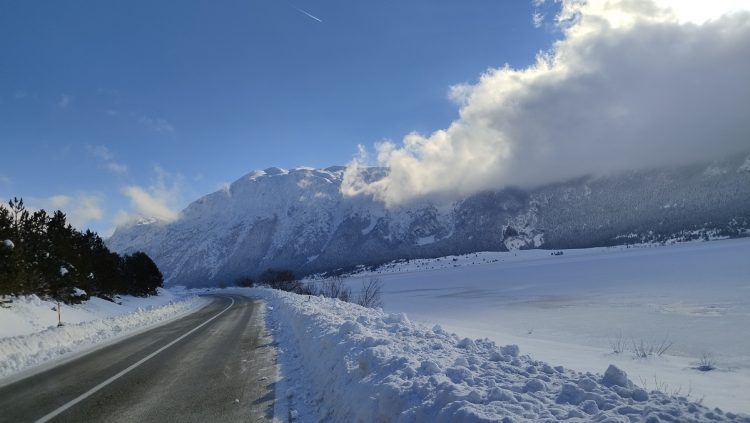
pixel 59 320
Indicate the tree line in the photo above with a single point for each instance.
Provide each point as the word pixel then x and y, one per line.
pixel 44 255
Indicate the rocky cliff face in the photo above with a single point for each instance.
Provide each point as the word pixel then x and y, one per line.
pixel 298 219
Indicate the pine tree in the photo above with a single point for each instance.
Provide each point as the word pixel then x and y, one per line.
pixel 142 275
pixel 8 263
pixel 48 257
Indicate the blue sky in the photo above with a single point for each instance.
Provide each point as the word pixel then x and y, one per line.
pixel 176 98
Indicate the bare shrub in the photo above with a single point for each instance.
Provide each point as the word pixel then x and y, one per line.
pixel 643 349
pixel 706 363
pixel 370 294
pixel 672 391
pixel 618 344
pixel 309 288
pixel 334 287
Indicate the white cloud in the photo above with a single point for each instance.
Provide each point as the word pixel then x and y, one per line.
pixel 59 201
pixel 64 101
pixel 226 188
pixel 149 204
pixel 105 154
pixel 100 151
pixel 115 167
pixel 4 180
pixel 537 19
pixel 160 200
pixel 82 209
pixel 630 85
pixel 157 124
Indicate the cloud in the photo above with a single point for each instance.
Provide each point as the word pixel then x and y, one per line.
pixel 100 151
pixel 537 19
pixel 85 208
pixel 105 154
pixel 64 101
pixel 160 200
pixel 4 180
pixel 115 167
pixel 629 85
pixel 149 204
pixel 156 124
pixel 82 209
pixel 541 9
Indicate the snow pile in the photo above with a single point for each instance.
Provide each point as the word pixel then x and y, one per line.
pixel 342 362
pixel 30 349
pixel 568 309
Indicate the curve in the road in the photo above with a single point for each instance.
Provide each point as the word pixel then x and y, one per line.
pixel 98 387
pixel 215 364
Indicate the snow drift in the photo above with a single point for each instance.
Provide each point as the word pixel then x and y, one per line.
pixel 342 362
pixel 23 351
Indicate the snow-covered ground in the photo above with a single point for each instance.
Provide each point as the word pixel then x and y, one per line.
pixel 29 335
pixel 342 362
pixel 570 309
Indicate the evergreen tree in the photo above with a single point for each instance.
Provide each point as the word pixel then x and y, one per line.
pixel 8 263
pixel 142 275
pixel 46 256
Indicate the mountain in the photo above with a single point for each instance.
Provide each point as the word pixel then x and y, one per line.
pixel 298 219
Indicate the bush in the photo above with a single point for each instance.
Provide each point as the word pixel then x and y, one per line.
pixel 645 350
pixel 618 344
pixel 245 282
pixel 370 294
pixel 275 278
pixel 281 279
pixel 706 363
pixel 335 288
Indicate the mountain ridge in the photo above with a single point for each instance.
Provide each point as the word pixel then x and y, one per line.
pixel 298 219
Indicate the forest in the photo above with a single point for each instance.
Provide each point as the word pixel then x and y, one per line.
pixel 43 254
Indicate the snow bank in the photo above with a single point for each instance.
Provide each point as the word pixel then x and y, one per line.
pixel 342 362
pixel 34 347
pixel 568 309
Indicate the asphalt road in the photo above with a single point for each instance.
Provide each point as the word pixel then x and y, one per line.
pixel 214 365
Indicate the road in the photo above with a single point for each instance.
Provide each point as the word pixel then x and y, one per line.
pixel 213 365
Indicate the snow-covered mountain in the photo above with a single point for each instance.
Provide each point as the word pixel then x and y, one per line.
pixel 298 219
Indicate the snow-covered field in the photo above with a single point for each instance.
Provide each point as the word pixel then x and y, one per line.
pixel 29 335
pixel 566 312
pixel 342 362
pixel 570 309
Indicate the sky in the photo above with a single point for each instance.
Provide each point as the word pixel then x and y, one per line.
pixel 629 85
pixel 111 110
pixel 115 110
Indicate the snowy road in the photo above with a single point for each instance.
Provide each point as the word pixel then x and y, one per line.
pixel 212 365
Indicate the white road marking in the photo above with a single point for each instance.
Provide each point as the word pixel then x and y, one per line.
pixel 98 387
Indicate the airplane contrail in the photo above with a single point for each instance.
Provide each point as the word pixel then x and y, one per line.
pixel 306 13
